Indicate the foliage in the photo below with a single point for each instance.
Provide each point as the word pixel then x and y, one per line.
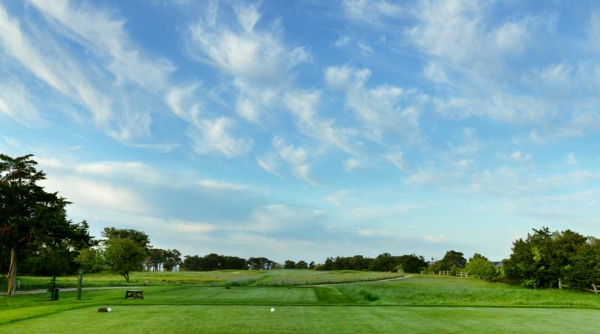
pixel 212 262
pixel 123 256
pixel 91 260
pixel 584 270
pixel 452 261
pixel 289 264
pixel 163 259
pixel 259 263
pixel 139 237
pixel 33 222
pixel 383 262
pixel 480 266
pixel 302 265
pixel 544 257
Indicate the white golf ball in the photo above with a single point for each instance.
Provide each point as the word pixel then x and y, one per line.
pixel 272 309
pixel 109 309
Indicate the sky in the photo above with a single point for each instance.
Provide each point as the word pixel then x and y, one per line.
pixel 300 130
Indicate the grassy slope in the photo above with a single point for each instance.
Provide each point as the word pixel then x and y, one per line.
pixel 452 291
pixel 211 278
pixel 340 308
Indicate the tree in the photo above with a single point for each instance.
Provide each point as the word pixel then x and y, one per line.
pixel 259 263
pixel 123 256
pixel 480 266
pixel 544 257
pixel 155 259
pixel 139 237
pixel 31 219
pixel 289 264
pixel 91 260
pixel 412 263
pixel 584 271
pixel 301 265
pixel 453 259
pixel 191 263
pixel 172 259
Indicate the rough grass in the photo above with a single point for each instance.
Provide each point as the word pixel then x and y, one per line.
pixel 454 291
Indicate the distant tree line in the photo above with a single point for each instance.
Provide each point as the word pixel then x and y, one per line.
pixel 383 262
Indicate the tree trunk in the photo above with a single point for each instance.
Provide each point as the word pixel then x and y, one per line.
pixel 595 288
pixel 12 273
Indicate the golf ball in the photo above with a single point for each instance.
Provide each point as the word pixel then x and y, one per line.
pixel 109 309
pixel 273 309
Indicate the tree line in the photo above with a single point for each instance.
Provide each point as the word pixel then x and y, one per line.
pixel 37 238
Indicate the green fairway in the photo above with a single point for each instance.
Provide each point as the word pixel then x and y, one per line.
pixel 420 304
pixel 308 319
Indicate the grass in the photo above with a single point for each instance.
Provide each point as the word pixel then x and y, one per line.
pixel 420 304
pixel 211 278
pixel 452 291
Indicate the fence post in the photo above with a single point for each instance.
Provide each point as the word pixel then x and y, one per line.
pixel 79 284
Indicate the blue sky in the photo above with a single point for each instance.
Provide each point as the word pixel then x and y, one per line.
pixel 305 129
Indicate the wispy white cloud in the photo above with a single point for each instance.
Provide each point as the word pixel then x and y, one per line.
pixel 382 110
pixel 342 41
pixel 519 156
pixel 85 85
pixel 16 103
pixel 571 159
pixel 379 214
pixel 371 12
pixel 304 105
pixel 243 52
pixel 396 159
pixel 106 35
pixel 257 61
pixel 214 135
pixel 296 157
pixel 218 185
pixel 432 238
pixel 338 197
pixel 352 164
pixel 207 134
pixel 11 141
pixel 268 163
pixel 94 195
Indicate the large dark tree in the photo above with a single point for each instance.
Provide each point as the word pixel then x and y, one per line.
pixel 32 219
pixel 412 263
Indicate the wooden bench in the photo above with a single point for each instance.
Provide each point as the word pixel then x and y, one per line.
pixel 134 294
